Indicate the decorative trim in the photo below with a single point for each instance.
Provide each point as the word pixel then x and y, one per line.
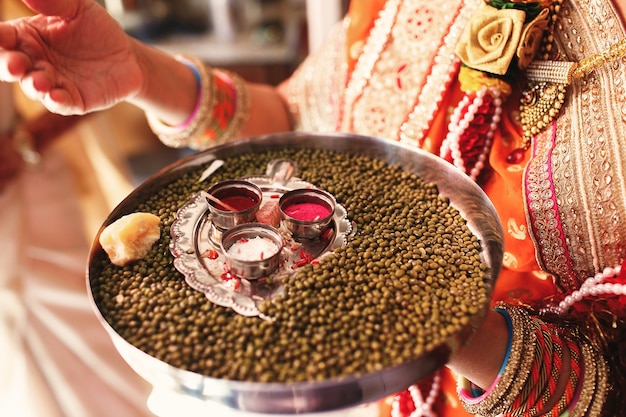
pixel 445 68
pixel 542 211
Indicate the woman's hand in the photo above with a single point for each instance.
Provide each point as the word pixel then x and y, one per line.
pixel 75 58
pixel 72 56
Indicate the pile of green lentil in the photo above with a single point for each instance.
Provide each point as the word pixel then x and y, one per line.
pixel 409 278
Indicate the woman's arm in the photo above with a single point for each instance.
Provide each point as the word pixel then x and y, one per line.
pixel 75 58
pixel 506 359
pixel 481 358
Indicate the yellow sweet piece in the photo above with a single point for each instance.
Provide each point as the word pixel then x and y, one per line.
pixel 130 237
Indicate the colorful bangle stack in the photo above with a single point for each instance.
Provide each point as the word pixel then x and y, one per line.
pixel 542 374
pixel 220 112
pixel 529 380
pixel 229 113
pixel 501 393
pixel 591 395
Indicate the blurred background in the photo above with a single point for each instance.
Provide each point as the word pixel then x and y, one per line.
pixel 263 39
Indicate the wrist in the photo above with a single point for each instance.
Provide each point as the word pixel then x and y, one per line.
pixel 168 88
pixel 219 113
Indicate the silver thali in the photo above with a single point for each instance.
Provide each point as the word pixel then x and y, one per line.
pixel 320 396
pixel 194 236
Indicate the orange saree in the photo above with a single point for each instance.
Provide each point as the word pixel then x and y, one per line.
pixel 390 70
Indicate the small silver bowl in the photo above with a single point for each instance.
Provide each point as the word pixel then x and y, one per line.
pixel 307 213
pixel 252 250
pixel 242 195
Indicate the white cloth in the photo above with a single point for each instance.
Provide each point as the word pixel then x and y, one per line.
pixel 56 359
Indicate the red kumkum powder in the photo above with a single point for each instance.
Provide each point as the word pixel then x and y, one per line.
pixel 307 211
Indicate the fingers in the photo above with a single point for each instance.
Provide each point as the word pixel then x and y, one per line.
pixel 8 36
pixel 59 101
pixel 13 64
pixel 36 84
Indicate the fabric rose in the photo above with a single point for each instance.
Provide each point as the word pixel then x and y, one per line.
pixel 532 38
pixel 491 38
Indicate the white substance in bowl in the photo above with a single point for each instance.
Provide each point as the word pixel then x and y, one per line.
pixel 253 249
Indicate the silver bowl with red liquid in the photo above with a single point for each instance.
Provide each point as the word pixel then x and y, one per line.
pixel 243 199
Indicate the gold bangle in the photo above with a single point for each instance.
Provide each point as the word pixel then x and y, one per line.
pixel 588 383
pixel 594 384
pixel 242 108
pixel 521 355
pixel 519 317
pixel 602 387
pixel 200 118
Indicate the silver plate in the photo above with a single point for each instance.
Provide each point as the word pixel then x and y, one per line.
pixel 194 236
pixel 312 397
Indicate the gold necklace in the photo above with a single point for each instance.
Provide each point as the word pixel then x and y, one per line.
pixel 547 86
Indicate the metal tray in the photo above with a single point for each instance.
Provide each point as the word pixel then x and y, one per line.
pixel 311 397
pixel 193 235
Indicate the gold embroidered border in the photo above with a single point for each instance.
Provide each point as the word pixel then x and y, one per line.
pixel 389 92
pixel 587 158
pixel 542 210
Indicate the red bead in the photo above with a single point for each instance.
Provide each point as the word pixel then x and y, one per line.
pixel 516 156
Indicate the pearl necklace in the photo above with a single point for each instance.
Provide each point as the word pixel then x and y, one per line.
pixel 423 406
pixel 592 287
pixel 460 121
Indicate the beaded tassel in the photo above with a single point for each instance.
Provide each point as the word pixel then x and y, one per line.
pixel 471 130
pixel 544 95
